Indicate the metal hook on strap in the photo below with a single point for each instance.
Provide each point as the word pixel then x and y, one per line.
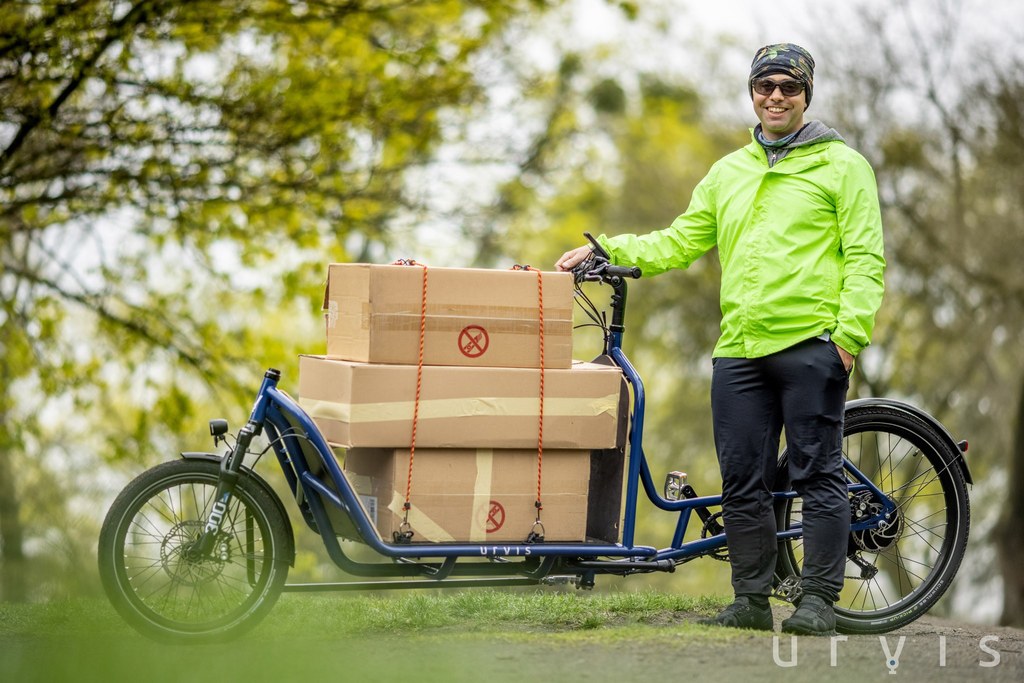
pixel 536 534
pixel 404 533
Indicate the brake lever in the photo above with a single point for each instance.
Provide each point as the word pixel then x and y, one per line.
pixel 590 269
pixel 596 274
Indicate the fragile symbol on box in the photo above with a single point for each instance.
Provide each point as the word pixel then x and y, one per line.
pixel 473 341
pixel 495 517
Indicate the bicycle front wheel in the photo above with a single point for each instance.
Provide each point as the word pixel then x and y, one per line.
pixel 896 574
pixel 150 577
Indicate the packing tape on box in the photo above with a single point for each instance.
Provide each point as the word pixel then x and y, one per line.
pixel 424 526
pixel 393 411
pixel 462 310
pixel 411 323
pixel 433 532
pixel 481 495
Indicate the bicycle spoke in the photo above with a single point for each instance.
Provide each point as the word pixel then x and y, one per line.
pixel 910 553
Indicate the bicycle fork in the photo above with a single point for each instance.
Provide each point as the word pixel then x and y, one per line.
pixel 230 467
pixel 226 482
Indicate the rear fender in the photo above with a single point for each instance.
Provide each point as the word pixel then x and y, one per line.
pixel 892 404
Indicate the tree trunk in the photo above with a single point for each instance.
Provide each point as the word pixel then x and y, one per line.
pixel 1009 537
pixel 12 553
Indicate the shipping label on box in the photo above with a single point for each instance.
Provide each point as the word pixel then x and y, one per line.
pixel 363 486
pixel 476 495
pixel 360 404
pixel 474 316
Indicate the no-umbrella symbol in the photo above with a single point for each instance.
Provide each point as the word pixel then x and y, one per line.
pixel 473 341
pixel 495 517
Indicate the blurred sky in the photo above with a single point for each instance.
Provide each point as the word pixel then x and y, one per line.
pixel 676 36
pixel 759 22
pixel 707 43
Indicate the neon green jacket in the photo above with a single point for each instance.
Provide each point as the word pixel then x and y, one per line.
pixel 800 244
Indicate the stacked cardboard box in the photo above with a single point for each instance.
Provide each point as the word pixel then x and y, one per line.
pixel 364 404
pixel 477 495
pixel 475 467
pixel 475 317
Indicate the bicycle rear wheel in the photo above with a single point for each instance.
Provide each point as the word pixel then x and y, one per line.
pixel 893 575
pixel 158 588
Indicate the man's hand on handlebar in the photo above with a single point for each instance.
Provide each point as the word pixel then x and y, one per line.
pixel 592 263
pixel 573 258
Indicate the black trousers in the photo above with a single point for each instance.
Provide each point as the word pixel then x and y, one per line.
pixel 802 388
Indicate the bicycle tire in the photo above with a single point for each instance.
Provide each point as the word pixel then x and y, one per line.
pixel 165 595
pixel 917 558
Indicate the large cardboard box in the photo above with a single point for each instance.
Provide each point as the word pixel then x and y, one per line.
pixel 474 316
pixel 360 404
pixel 473 495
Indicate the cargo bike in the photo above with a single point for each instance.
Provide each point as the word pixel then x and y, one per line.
pixel 199 548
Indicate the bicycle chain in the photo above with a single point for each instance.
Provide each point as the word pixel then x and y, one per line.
pixel 713 520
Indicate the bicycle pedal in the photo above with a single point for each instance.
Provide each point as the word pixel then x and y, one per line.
pixel 675 482
pixel 789 589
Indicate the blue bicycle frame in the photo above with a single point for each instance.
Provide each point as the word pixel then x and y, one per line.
pixel 319 485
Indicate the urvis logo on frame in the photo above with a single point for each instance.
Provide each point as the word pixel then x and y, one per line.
pixel 890 652
pixel 504 550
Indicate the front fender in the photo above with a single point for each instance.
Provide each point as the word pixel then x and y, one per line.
pixel 261 482
pixel 922 415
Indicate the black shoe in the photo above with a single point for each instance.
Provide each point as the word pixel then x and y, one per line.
pixel 814 616
pixel 742 614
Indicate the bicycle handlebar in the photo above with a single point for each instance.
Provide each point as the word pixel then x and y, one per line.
pixel 598 268
pixel 624 271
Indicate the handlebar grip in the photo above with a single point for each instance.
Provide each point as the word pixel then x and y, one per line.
pixel 625 271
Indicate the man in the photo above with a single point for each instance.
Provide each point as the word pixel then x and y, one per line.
pixel 796 220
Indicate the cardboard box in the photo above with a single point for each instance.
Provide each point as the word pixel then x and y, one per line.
pixel 359 404
pixel 474 495
pixel 475 317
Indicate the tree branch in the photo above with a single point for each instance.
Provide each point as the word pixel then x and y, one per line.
pixel 135 17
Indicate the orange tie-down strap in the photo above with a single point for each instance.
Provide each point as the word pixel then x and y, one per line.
pixel 537 532
pixel 404 534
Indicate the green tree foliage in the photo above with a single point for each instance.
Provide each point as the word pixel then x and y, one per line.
pixel 173 172
pixel 945 137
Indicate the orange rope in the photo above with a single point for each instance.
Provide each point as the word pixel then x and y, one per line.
pixel 540 419
pixel 419 386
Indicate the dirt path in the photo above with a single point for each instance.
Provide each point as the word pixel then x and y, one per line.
pixel 930 649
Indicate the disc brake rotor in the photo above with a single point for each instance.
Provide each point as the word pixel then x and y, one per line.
pixel 177 564
pixel 863 506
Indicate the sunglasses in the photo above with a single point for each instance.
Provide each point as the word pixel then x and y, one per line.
pixel 766 86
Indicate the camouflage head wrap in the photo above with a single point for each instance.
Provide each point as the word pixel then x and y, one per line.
pixel 784 58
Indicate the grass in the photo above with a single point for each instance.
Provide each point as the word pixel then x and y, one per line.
pixel 410 613
pixel 417 636
pixel 490 611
